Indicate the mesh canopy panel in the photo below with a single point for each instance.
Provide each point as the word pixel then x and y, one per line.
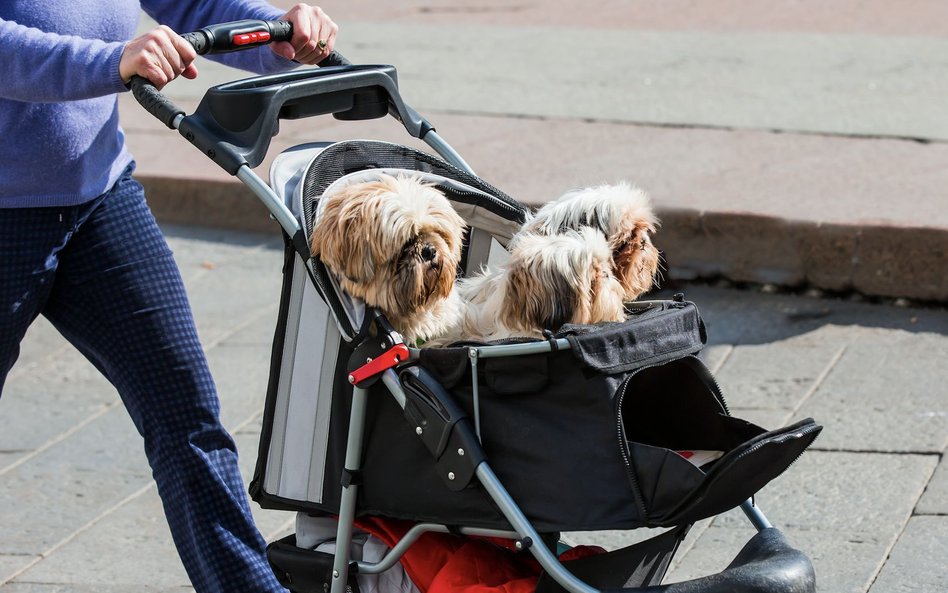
pixel 358 155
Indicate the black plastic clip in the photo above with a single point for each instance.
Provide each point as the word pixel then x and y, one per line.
pixel 523 544
pixel 350 477
pixel 549 337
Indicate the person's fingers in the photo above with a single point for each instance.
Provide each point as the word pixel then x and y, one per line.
pixel 302 40
pixel 183 52
pixel 159 55
pixel 331 39
pixel 325 36
pixel 284 49
pixel 314 35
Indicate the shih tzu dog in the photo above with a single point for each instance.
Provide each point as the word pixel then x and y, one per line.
pixel 549 280
pixel 623 214
pixel 395 243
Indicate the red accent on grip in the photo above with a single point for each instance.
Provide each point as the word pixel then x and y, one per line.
pixel 250 38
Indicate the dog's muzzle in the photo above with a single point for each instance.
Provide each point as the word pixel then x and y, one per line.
pixel 428 253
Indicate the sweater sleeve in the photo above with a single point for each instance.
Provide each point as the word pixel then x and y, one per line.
pixel 185 16
pixel 45 67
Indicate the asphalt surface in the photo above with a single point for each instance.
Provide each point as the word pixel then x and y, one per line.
pixel 796 151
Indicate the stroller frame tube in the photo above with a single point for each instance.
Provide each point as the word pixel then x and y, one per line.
pixel 350 491
pixel 393 555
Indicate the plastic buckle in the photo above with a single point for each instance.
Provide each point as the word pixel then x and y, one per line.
pixel 381 363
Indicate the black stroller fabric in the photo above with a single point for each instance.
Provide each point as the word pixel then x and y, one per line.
pixel 583 439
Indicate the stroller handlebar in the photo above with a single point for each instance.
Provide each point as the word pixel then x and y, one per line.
pixel 218 39
pixel 246 34
pixel 238 35
pixel 235 121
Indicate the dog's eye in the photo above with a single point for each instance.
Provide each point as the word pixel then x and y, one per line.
pixel 406 249
pixel 622 246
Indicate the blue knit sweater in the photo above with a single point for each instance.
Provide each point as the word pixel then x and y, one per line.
pixel 59 78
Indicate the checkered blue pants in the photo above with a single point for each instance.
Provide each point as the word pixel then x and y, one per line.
pixel 103 275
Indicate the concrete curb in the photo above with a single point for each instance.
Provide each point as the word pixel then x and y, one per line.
pixel 874 260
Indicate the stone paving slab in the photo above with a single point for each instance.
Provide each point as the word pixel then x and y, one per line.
pixel 918 562
pixel 137 533
pixel 842 509
pixel 850 84
pixel 839 84
pixel 61 490
pixel 133 535
pixel 886 394
pixel 846 520
pixel 68 393
pixel 935 499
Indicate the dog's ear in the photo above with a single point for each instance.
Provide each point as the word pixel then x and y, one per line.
pixel 635 260
pixel 340 237
pixel 537 299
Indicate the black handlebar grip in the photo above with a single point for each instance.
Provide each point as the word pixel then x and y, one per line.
pixel 198 41
pixel 334 59
pixel 151 99
pixel 280 30
pixel 238 35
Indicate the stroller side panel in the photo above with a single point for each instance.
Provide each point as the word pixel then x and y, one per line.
pixel 300 424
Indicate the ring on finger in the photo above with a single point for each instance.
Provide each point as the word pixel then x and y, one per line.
pixel 321 44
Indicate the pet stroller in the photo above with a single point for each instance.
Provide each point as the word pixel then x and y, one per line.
pixel 588 429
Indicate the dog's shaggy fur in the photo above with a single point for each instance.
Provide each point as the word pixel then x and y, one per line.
pixel 547 282
pixel 395 243
pixel 623 214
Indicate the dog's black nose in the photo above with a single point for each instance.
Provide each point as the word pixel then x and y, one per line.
pixel 428 253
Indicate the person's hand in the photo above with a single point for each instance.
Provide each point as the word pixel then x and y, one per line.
pixel 159 55
pixel 314 35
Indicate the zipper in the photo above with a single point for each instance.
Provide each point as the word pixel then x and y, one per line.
pixel 705 374
pixel 454 191
pixel 701 371
pixel 624 446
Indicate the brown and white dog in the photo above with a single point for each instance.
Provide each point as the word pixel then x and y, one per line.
pixel 395 243
pixel 623 214
pixel 548 281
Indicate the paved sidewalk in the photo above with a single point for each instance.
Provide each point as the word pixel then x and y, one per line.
pixel 869 504
pixel 793 144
